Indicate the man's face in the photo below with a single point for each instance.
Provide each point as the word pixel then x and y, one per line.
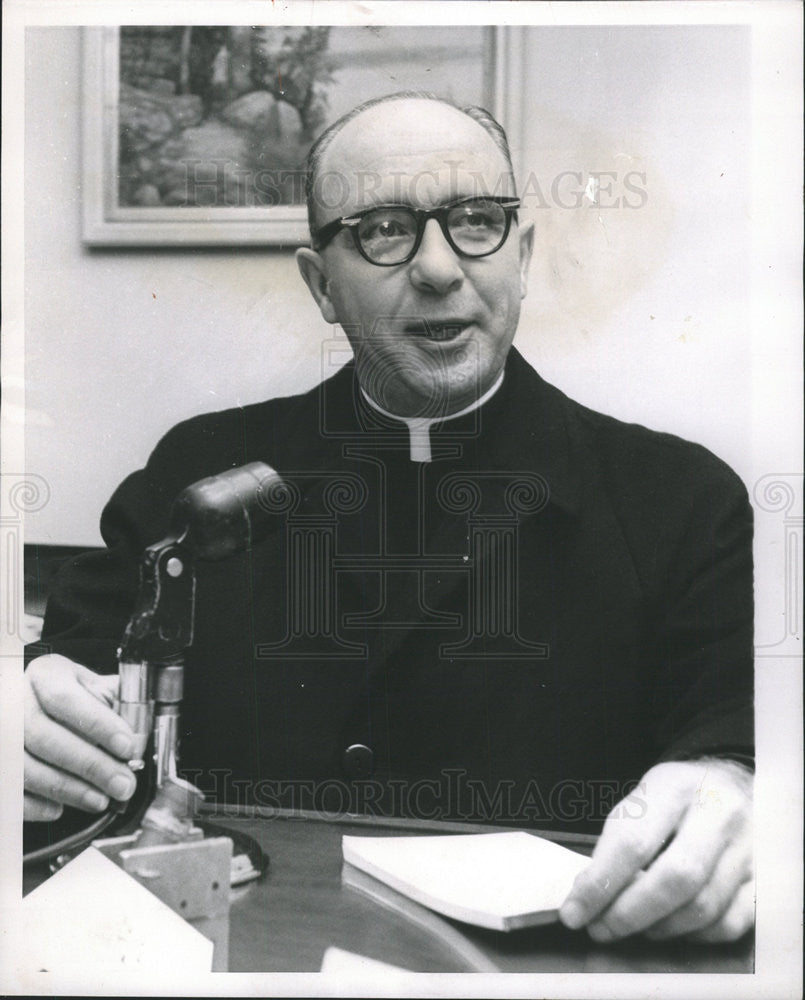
pixel 430 335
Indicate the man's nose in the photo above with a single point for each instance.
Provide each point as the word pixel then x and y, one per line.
pixel 436 267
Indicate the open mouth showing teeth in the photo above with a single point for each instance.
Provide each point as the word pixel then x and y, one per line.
pixel 446 330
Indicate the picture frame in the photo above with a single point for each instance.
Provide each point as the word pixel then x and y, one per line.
pixel 488 71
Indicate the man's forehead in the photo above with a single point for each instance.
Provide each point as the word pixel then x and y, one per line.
pixel 409 121
pixel 419 150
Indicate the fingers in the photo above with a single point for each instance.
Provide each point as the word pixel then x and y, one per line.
pixel 58 787
pixel 627 844
pixel 49 743
pixel 683 871
pixel 73 739
pixel 704 809
pixel 735 922
pixel 80 699
pixel 103 686
pixel 713 901
pixel 40 810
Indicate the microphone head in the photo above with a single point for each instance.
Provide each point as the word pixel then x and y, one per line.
pixel 227 513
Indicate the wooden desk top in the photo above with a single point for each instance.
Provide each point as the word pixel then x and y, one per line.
pixel 286 922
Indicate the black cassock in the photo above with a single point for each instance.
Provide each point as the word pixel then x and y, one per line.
pixel 514 631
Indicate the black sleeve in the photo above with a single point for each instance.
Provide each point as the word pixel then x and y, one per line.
pixel 704 695
pixel 94 593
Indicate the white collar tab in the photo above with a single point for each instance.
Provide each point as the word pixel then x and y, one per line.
pixel 419 427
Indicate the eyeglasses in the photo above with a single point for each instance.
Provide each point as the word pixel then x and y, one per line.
pixel 391 234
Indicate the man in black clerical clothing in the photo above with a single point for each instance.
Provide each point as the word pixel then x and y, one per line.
pixel 485 602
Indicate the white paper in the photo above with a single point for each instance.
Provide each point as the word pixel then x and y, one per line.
pixel 93 915
pixel 336 961
pixel 497 880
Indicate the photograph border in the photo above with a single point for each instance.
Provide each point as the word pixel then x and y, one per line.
pixel 776 316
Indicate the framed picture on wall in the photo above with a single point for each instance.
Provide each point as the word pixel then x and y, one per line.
pixel 198 135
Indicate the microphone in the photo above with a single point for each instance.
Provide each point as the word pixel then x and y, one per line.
pixel 227 513
pixel 210 520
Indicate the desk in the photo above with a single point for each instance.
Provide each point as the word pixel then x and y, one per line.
pixel 285 923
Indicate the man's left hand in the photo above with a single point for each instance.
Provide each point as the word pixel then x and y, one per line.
pixel 674 858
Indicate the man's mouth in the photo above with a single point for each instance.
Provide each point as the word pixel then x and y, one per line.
pixel 440 330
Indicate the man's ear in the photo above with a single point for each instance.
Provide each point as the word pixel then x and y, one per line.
pixel 526 234
pixel 311 267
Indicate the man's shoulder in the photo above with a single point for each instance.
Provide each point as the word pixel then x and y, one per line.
pixel 220 423
pixel 630 448
pixel 658 482
pixel 216 440
pixel 634 460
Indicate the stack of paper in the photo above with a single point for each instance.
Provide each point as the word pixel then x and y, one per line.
pixel 498 880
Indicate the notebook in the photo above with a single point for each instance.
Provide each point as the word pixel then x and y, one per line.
pixel 502 881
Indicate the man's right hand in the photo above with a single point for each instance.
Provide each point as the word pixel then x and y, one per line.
pixel 75 743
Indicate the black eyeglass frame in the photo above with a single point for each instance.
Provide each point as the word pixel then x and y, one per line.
pixel 322 236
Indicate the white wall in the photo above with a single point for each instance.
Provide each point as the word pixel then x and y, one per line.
pixel 643 313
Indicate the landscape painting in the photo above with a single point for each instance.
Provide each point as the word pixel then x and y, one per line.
pixel 199 134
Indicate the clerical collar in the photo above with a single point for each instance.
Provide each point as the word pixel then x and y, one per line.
pixel 419 427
